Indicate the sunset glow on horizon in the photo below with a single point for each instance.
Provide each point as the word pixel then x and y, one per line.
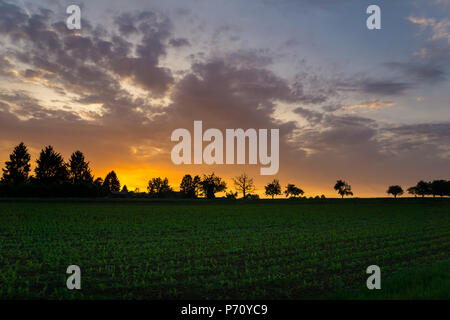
pixel 370 107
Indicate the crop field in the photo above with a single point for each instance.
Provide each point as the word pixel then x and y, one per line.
pixel 281 249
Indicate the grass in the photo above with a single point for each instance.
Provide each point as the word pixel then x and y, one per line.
pixel 424 282
pixel 146 249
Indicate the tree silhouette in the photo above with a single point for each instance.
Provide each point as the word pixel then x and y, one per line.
pixel 158 187
pixel 438 188
pixel 423 188
pixel 447 188
pixel 292 190
pixel 79 171
pixel 413 191
pixel 395 191
pixel 98 183
pixel 189 187
pixel 111 183
pixel 18 166
pixel 244 184
pixel 124 189
pixel 231 195
pixel 343 188
pixel 252 196
pixel 211 184
pixel 51 167
pixel 273 189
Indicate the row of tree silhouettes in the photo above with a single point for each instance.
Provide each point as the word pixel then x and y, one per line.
pixel 55 177
pixel 434 188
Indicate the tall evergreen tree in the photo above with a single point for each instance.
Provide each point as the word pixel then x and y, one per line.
pixel 51 167
pixel 111 183
pixel 18 167
pixel 79 170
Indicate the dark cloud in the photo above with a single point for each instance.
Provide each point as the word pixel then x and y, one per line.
pixel 379 87
pixel 228 95
pixel 423 73
pixel 332 107
pixel 179 42
pixel 385 87
pixel 430 132
pixel 84 62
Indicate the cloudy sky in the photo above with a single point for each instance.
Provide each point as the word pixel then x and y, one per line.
pixel 368 106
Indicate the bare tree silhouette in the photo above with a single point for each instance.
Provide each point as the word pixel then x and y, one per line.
pixel 244 184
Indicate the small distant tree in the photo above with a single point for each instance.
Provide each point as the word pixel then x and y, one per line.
pixel 189 186
pixel 159 188
pixel 51 167
pixel 212 184
pixel 98 182
pixel 423 188
pixel 437 188
pixel 124 189
pixel 79 171
pixel 343 188
pixel 395 191
pixel 111 183
pixel 292 191
pixel 18 167
pixel 273 189
pixel 244 184
pixel 231 195
pixel 412 191
pixel 447 188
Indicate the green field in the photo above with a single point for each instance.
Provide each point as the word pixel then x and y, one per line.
pixel 282 249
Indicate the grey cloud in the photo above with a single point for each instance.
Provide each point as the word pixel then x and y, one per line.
pixel 60 52
pixel 432 131
pixel 313 117
pixel 385 87
pixel 179 42
pixel 332 108
pixel 380 87
pixel 427 73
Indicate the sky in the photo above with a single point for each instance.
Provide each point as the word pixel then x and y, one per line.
pixel 371 107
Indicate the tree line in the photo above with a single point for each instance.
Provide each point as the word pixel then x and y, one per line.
pixel 54 177
pixel 433 188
